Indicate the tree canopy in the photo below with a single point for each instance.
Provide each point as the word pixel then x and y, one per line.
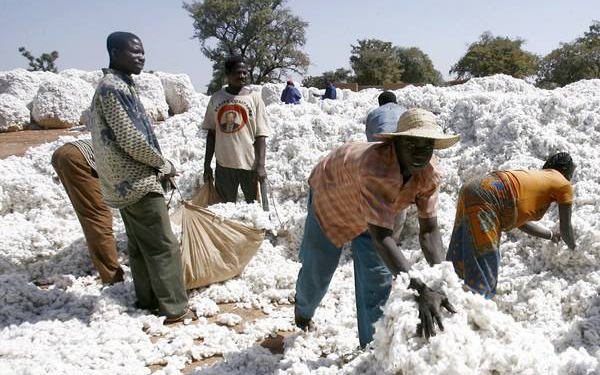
pixel 338 75
pixel 573 61
pixel 375 62
pixel 493 55
pixel 264 32
pixel 44 63
pixel 417 67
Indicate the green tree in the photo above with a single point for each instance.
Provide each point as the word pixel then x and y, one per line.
pixel 264 32
pixel 375 62
pixel 44 63
pixel 493 55
pixel 339 75
pixel 573 61
pixel 417 66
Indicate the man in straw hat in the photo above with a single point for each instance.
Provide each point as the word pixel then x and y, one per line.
pixel 355 193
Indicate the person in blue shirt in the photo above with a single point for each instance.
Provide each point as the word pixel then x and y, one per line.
pixel 384 118
pixel 290 95
pixel 330 92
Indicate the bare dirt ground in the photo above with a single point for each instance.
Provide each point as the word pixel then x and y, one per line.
pixel 17 143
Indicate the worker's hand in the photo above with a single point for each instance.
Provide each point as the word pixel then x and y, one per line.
pixel 208 174
pixel 430 303
pixel 261 173
pixel 556 236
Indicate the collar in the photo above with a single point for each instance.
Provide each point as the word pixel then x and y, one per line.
pixel 125 77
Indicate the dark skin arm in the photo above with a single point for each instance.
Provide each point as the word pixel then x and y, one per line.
pixel 260 146
pixel 208 155
pixel 566 229
pixel 431 244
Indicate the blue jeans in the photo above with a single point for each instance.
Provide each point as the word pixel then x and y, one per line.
pixel 319 257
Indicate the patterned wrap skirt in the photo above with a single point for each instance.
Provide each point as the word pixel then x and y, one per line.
pixel 486 207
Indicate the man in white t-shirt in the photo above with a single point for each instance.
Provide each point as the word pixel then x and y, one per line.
pixel 237 126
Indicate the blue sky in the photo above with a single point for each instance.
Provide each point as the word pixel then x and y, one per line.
pixel 443 29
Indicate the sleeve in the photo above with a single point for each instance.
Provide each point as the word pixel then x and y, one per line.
pixel 427 202
pixel 126 134
pixel 209 119
pixel 262 122
pixel 563 194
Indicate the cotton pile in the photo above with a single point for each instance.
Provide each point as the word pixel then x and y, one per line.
pixel 545 318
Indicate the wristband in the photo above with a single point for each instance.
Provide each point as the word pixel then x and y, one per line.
pixel 551 235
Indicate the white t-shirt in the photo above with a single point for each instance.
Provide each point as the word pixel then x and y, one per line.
pixel 240 119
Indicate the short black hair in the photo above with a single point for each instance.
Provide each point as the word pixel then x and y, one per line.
pixel 561 162
pixel 386 97
pixel 232 61
pixel 118 40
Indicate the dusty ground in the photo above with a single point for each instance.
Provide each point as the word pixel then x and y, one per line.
pixel 17 143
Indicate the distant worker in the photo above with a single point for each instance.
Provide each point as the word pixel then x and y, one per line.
pixel 131 168
pixel 290 94
pixel 384 119
pixel 76 168
pixel 355 193
pixel 330 92
pixel 503 200
pixel 236 120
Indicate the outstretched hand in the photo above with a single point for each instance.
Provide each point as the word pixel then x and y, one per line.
pixel 430 303
pixel 556 236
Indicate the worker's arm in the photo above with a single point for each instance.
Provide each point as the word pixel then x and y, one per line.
pixel 208 155
pixel 566 229
pixel 260 146
pixel 428 300
pixel 431 240
pixel 536 230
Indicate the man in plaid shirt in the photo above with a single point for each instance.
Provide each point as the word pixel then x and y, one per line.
pixel 355 193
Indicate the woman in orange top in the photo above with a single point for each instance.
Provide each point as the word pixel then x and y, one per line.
pixel 501 201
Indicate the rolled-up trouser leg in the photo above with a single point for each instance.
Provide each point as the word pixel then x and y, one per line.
pixel 148 221
pixel 373 282
pixel 319 259
pixel 83 189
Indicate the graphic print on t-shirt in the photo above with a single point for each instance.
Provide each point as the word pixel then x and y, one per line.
pixel 232 118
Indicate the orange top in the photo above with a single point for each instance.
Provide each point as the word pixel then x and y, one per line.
pixel 535 190
pixel 361 183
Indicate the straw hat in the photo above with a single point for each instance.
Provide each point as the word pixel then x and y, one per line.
pixel 417 122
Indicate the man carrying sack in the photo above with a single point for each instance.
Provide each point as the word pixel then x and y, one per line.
pixel 355 193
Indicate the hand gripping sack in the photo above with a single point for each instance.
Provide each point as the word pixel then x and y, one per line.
pixel 213 248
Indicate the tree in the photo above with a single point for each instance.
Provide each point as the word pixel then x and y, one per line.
pixel 44 63
pixel 264 32
pixel 573 61
pixel 417 66
pixel 493 55
pixel 375 62
pixel 339 75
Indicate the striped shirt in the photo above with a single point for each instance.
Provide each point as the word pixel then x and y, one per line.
pixel 86 148
pixel 361 183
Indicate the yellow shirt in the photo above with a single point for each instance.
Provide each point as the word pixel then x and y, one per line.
pixel 535 190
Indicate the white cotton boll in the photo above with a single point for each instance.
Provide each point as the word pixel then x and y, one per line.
pixel 203 306
pixel 229 319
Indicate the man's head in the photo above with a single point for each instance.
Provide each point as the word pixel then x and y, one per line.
pixel 413 153
pixel 126 52
pixel 417 135
pixel 561 162
pixel 236 71
pixel 386 97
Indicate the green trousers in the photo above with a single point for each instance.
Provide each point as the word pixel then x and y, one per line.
pixel 154 256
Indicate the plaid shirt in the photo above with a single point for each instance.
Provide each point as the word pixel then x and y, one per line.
pixel 128 157
pixel 360 183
